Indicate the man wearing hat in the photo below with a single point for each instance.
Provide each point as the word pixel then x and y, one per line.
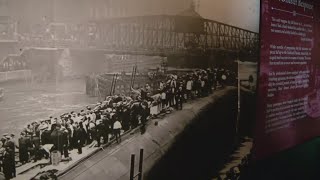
pixel 24 144
pixel 77 137
pixel 93 116
pixel 54 123
pixel 100 129
pixel 7 163
pixel 144 112
pixel 117 130
pixel 13 140
pixel 15 145
pixel 59 140
pixel 36 142
pixel 56 138
pixel 9 159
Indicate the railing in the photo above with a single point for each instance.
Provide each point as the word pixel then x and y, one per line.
pixel 15 75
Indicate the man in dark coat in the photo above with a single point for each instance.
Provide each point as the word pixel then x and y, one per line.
pixel 46 137
pixel 24 145
pixel 10 156
pixel 36 144
pixel 65 143
pixel 77 136
pixel 125 119
pixel 15 145
pixel 134 112
pixel 7 163
pixel 100 129
pixel 58 138
pixel 144 113
pixel 106 123
pixel 83 134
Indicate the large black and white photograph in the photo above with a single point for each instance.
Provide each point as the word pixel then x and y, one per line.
pixel 127 89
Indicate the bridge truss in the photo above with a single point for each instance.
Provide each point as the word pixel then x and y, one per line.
pixel 171 35
pixel 152 35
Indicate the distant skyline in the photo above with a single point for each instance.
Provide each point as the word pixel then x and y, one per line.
pixel 241 13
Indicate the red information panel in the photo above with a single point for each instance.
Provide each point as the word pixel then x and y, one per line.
pixel 289 77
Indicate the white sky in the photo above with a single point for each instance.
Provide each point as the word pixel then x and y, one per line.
pixel 240 13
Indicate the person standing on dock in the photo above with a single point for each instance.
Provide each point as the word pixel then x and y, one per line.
pixel 189 87
pixel 9 164
pixel 179 98
pixel 24 144
pixel 59 141
pixel 77 136
pixel 100 131
pixel 117 130
pixel 144 113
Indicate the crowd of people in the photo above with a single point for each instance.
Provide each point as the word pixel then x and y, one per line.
pixel 107 120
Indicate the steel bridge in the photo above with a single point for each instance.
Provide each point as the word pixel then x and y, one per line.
pixel 161 35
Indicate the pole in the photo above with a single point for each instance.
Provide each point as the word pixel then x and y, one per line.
pixel 111 89
pixel 97 89
pixel 140 164
pixel 115 83
pixel 132 167
pixel 133 68
pixel 239 102
pixel 134 76
pixel 239 98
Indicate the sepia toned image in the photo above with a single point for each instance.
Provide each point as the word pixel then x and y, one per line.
pixel 127 89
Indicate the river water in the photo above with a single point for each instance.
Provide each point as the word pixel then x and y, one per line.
pixel 24 103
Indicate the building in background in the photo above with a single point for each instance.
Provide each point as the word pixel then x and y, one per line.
pixel 31 13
